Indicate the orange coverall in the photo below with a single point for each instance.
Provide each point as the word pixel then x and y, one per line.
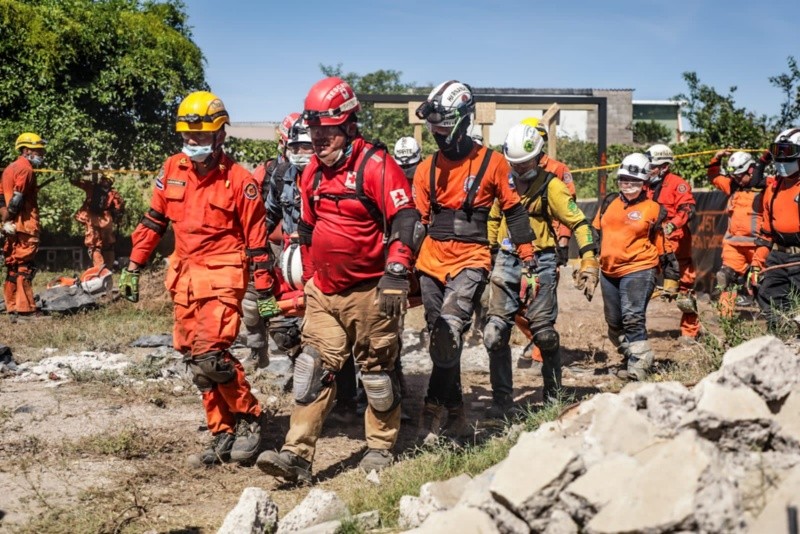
pixel 219 221
pixel 20 249
pixel 99 211
pixel 675 194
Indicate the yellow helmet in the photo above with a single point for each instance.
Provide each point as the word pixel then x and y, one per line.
pixel 29 140
pixel 201 111
pixel 533 122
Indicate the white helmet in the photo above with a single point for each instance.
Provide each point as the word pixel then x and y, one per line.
pixel 739 163
pixel 406 151
pixel 659 154
pixel 298 134
pixel 636 166
pixel 523 143
pixel 292 266
pixel 447 105
pixel 786 152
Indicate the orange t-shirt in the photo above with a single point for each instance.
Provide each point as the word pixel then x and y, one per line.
pixel 441 259
pixel 629 236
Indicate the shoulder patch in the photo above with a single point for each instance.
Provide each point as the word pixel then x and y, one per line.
pixel 250 191
pixel 567 178
pixel 160 179
pixel 399 197
pixel 682 188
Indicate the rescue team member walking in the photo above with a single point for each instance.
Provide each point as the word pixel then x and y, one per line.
pixel 779 244
pixel 632 246
pixel 220 234
pixel 675 194
pixel 101 209
pixel 745 201
pixel 546 199
pixel 358 235
pixel 21 224
pixel 454 190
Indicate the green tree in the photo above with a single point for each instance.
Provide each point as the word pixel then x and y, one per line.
pixel 790 85
pixel 717 121
pixel 650 132
pixel 101 79
pixel 251 152
pixel 386 125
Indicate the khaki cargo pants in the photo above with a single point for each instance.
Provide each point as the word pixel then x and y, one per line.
pixel 339 326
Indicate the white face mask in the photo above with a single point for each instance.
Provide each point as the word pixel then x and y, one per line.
pixel 198 153
pixel 299 160
pixel 631 190
pixel 787 168
pixel 35 159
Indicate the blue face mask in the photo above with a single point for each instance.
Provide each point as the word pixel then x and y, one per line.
pixel 197 153
pixel 35 159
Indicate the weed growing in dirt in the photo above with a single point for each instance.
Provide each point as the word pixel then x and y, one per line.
pixel 424 465
pixel 127 444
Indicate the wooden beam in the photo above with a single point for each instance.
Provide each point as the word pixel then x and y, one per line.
pixel 550 120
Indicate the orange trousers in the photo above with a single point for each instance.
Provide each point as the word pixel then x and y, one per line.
pixel 690 322
pixel 99 240
pixel 209 325
pixel 20 250
pixel 738 258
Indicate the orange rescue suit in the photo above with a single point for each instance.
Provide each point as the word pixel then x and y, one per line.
pixel 98 214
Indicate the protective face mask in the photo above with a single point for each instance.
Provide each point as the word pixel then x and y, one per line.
pixel 299 160
pixel 335 158
pixel 409 172
pixel 456 149
pixel 631 190
pixel 525 177
pixel 35 160
pixel 787 168
pixel 198 153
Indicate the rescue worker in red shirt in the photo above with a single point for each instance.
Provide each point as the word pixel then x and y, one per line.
pixel 533 359
pixel 745 201
pixel 220 236
pixel 632 248
pixel 278 165
pixel 102 208
pixel 358 234
pixel 21 224
pixel 675 194
pixel 546 199
pixel 454 190
pixel 778 252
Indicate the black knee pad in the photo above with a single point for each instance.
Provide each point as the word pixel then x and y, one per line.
pixel 445 344
pixel 11 276
pixel 286 338
pixel 547 340
pixel 496 334
pixel 211 368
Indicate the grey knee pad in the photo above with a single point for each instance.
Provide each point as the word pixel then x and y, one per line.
pixel 310 377
pixel 382 389
pixel 496 333
pixel 211 368
pixel 547 340
pixel 446 343
pixel 250 315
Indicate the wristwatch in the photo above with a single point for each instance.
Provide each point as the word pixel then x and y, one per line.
pixel 397 269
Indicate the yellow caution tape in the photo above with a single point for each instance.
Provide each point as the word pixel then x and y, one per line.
pixel 677 156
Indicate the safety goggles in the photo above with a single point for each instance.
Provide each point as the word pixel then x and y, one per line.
pixel 194 118
pixel 784 151
pixel 634 169
pixel 314 116
pixel 435 113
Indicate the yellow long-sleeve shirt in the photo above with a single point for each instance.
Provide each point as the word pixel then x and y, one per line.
pixel 560 207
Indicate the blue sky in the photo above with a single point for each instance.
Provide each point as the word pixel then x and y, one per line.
pixel 262 56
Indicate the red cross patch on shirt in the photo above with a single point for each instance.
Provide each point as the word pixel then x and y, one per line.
pixel 399 197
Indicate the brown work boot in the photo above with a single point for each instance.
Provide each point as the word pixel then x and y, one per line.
pixel 431 423
pixel 286 465
pixel 375 460
pixel 456 426
pixel 218 451
pixel 250 431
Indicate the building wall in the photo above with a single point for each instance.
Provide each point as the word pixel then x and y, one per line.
pixel 620 117
pixel 262 131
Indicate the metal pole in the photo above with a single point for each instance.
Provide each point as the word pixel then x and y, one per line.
pixel 602 147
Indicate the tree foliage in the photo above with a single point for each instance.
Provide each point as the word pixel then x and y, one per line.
pixel 650 132
pixel 100 79
pixel 789 83
pixel 717 121
pixel 251 152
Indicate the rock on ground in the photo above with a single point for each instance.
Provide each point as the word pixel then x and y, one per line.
pixel 255 513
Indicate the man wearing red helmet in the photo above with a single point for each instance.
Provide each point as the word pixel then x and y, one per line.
pixel 356 205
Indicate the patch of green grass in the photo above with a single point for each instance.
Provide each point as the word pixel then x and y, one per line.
pixel 126 444
pixel 424 465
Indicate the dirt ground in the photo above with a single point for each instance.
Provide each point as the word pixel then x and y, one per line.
pixel 96 455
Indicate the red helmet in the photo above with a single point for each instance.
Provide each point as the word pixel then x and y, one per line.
pixel 286 125
pixel 330 102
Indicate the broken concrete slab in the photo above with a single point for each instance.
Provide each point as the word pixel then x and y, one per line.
pixel 787 435
pixel 477 495
pixel 255 513
pixel 529 487
pixel 318 507
pixel 664 403
pixel 617 428
pixel 590 492
pixel 153 340
pixel 734 417
pixel 764 364
pixel 774 517
pixel 460 519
